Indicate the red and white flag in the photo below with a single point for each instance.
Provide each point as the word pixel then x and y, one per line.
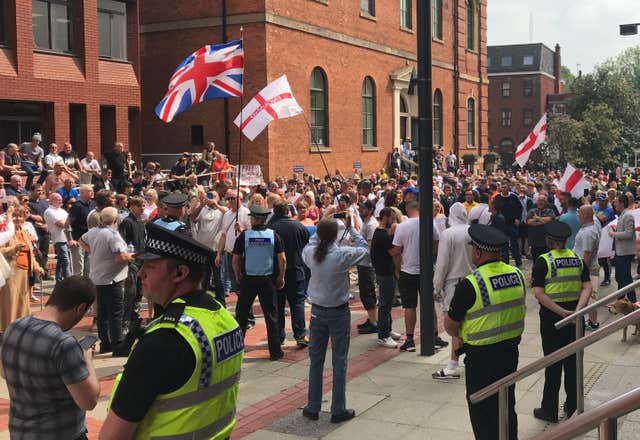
pixel 573 181
pixel 275 101
pixel 533 141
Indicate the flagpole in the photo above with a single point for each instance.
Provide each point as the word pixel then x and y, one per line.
pixel 241 134
pixel 319 152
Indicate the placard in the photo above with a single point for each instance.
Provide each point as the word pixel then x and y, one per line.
pixel 250 175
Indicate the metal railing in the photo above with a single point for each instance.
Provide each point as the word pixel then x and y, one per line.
pixel 502 386
pixel 604 417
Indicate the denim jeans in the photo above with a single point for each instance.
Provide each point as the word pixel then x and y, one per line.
pixel 512 229
pixel 228 278
pixel 63 266
pixel 110 298
pixel 334 323
pixel 293 293
pixel 386 292
pixel 367 287
pixel 623 274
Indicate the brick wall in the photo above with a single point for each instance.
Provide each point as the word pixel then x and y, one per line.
pixel 63 80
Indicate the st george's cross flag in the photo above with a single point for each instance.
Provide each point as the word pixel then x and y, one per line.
pixel 213 71
pixel 275 101
pixel 533 141
pixel 573 181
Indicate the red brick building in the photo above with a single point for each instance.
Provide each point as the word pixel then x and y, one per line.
pixel 522 77
pixel 70 70
pixel 349 64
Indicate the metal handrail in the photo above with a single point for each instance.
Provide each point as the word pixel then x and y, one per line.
pixel 501 386
pixel 603 417
pixel 594 305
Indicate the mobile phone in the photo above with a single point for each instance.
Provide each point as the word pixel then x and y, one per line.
pixel 210 196
pixel 87 342
pixel 339 215
pixel 5 206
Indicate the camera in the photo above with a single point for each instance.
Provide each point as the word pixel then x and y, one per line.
pixel 339 215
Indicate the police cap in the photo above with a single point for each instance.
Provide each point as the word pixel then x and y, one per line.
pixel 164 243
pixel 176 199
pixel 259 211
pixel 487 238
pixel 557 230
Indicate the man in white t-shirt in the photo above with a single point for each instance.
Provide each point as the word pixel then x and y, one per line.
pixel 366 273
pixel 90 167
pixel 53 157
pixel 206 218
pixel 56 219
pixel 230 230
pixel 406 258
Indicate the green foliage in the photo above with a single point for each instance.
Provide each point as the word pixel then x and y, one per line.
pixel 568 77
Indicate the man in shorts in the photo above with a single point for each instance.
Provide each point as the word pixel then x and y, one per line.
pixel 452 265
pixel 406 259
pixel 586 247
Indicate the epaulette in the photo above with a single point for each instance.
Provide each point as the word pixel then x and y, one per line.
pixel 173 313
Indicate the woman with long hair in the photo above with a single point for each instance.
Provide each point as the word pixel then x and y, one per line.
pixel 330 314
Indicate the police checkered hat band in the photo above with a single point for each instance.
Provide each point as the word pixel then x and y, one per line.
pixel 164 243
pixel 486 247
pixel 487 238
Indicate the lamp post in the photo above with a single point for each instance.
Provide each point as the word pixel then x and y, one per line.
pixel 425 148
pixel 629 29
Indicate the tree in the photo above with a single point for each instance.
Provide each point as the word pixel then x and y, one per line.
pixel 564 140
pixel 602 137
pixel 568 77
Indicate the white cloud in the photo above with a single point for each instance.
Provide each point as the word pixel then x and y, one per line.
pixel 587 30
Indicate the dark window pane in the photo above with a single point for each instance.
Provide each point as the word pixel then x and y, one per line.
pixel 119 36
pixel 40 23
pixel 318 107
pixel 112 6
pixel 437 118
pixel 471 122
pixel 405 13
pixel 471 22
pixel 3 31
pixel 437 19
pixel 104 34
pixel 60 27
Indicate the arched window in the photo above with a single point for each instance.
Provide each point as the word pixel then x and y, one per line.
pixel 471 25
pixel 437 117
pixel 437 19
pixel 506 144
pixel 318 108
pixel 368 112
pixel 471 122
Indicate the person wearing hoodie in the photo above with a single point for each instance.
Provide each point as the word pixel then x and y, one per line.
pixel 452 264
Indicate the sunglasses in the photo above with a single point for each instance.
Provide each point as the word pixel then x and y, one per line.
pixel 231 198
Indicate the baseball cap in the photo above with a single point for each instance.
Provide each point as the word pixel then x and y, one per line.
pixel 601 195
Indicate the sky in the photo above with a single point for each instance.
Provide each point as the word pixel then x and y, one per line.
pixel 587 30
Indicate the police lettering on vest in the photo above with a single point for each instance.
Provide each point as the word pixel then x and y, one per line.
pixel 258 252
pixel 562 263
pixel 228 344
pixel 172 225
pixel 505 281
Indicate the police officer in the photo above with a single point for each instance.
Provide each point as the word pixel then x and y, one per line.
pixel 487 312
pixel 181 378
pixel 561 284
pixel 259 264
pixel 174 204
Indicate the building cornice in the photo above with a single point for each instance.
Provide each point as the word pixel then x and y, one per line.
pixel 533 72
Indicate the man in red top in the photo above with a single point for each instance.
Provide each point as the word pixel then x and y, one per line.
pixel 221 166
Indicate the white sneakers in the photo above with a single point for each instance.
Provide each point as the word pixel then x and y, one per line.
pixel 447 373
pixel 395 335
pixel 388 342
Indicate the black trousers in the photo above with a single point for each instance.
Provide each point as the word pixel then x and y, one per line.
pixel 265 290
pixel 213 280
pixel 552 340
pixel 110 299
pixel 44 240
pixel 482 368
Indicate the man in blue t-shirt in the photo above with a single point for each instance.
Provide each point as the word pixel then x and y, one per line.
pixel 571 218
pixel 605 214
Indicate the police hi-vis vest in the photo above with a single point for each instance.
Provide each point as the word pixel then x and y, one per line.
pixel 204 407
pixel 258 252
pixel 563 281
pixel 169 223
pixel 499 309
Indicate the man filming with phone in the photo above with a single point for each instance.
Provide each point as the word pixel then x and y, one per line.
pixel 50 375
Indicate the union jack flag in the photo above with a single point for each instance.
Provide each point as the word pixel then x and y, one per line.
pixel 211 72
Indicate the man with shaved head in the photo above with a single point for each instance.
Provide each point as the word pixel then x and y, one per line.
pixel 56 219
pixel 586 246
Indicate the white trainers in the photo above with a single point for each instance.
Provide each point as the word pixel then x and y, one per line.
pixel 446 373
pixel 388 343
pixel 395 335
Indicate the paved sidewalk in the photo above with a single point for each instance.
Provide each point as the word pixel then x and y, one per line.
pixel 392 392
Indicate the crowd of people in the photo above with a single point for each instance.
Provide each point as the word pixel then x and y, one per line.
pixel 299 239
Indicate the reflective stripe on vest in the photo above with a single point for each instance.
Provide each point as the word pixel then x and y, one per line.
pixel 204 433
pixel 563 281
pixel 196 397
pixel 258 252
pixel 205 349
pixel 499 307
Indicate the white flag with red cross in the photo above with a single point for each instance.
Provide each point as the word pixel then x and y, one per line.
pixel 573 181
pixel 533 141
pixel 275 101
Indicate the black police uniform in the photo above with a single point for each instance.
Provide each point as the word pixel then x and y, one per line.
pixel 486 364
pixel 263 286
pixel 174 200
pixel 554 339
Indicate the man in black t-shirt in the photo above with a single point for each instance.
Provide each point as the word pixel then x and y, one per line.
pixel 382 261
pixel 565 290
pixel 117 162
